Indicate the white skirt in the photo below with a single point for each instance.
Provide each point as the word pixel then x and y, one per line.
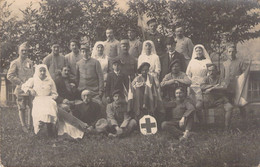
pixel 44 110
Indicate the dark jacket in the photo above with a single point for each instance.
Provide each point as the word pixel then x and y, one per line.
pixel 64 93
pixel 115 82
pixel 165 63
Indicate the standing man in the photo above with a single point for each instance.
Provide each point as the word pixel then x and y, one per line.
pixel 54 61
pixel 135 44
pixel 73 57
pixel 21 69
pixel 89 74
pixel 129 63
pixel 233 67
pixel 156 37
pixel 111 45
pixel 171 56
pixel 184 45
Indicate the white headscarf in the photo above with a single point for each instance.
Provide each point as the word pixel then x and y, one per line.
pixel 153 51
pixel 36 75
pixel 194 55
pixel 94 51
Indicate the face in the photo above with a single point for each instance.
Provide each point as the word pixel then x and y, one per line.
pixel 74 47
pixel 176 68
pixel 86 98
pixel 179 94
pixel 212 71
pixel 152 26
pixel 110 34
pixel 42 73
pixel 55 49
pixel 65 72
pixel 100 49
pixel 85 53
pixel 145 70
pixel 199 52
pixel 116 67
pixel 124 48
pixel 23 52
pixel 231 53
pixel 131 35
pixel 179 32
pixel 116 98
pixel 148 48
pixel 170 47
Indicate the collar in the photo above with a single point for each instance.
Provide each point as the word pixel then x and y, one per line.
pixel 117 72
pixel 86 59
pixel 200 58
pixel 111 40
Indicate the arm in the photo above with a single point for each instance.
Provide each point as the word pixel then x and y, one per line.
pixel 189 109
pixel 108 86
pixel 110 115
pixel 28 85
pixel 127 118
pixel 185 80
pixel 157 66
pixel 77 75
pixel 100 78
pixel 54 93
pixel 46 62
pixel 12 75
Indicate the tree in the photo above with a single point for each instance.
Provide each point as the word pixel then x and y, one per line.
pixel 211 23
pixel 9 33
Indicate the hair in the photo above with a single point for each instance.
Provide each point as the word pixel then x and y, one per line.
pixel 75 40
pixel 180 88
pixel 109 28
pixel 179 27
pixel 232 46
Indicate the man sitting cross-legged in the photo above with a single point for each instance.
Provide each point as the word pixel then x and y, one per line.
pixel 89 111
pixel 119 120
pixel 214 94
pixel 181 115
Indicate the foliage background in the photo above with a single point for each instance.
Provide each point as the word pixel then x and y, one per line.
pixel 212 23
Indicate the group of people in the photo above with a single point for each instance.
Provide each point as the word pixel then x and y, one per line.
pixel 88 90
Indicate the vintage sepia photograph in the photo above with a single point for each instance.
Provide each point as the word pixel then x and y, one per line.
pixel 130 83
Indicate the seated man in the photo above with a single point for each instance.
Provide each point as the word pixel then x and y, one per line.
pixel 89 111
pixel 181 115
pixel 213 90
pixel 119 120
pixel 66 89
pixel 173 80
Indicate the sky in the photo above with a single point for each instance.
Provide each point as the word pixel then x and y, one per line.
pixel 22 4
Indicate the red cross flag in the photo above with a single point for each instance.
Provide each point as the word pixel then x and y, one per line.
pixel 148 125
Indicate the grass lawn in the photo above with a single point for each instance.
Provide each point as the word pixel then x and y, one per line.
pixel 209 147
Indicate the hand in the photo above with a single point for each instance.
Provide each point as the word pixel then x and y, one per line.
pixel 181 122
pixel 207 91
pixel 32 92
pixel 65 101
pixel 119 130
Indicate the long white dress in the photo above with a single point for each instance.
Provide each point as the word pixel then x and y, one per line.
pixel 45 108
pixel 196 71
